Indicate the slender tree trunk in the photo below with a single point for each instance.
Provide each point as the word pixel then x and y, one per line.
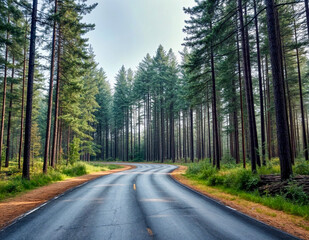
pixel 179 137
pixel 68 145
pixel 50 95
pixel 4 93
pixel 191 136
pixel 269 129
pixel 106 141
pixel 56 103
pixel 8 140
pixel 249 94
pixel 209 136
pixel 214 111
pixel 162 132
pixel 260 83
pixel 305 146
pixel 27 146
pixel 139 132
pixel 127 134
pixel 22 107
pixel 131 142
pixel 184 135
pixel 202 133
pixel 172 133
pixel 307 15
pixel 292 137
pixel 281 116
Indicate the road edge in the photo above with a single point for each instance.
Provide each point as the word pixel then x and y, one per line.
pixel 15 219
pixel 218 202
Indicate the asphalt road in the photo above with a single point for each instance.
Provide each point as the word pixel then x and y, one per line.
pixel 142 203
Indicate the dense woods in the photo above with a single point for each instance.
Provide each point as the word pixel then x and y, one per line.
pixel 238 93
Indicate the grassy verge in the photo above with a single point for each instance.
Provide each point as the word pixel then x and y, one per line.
pixel 235 180
pixel 11 182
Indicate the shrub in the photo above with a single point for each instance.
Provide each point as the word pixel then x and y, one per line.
pixel 216 179
pixel 207 171
pixel 296 193
pixel 75 170
pixel 246 180
pixel 302 168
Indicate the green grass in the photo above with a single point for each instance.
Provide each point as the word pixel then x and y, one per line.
pixel 12 183
pixel 235 180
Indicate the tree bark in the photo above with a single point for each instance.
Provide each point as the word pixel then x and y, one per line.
pixel 53 157
pixel 281 115
pixel 8 140
pixel 305 146
pixel 260 83
pixel 249 94
pixel 191 136
pixel 27 146
pixel 22 105
pixel 4 94
pixel 50 95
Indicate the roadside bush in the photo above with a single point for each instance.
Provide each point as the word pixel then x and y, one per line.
pixel 296 193
pixel 301 168
pixel 194 169
pixel 216 180
pixel 77 169
pixel 247 180
pixel 207 171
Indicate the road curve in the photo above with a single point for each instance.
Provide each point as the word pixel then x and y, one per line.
pixel 141 203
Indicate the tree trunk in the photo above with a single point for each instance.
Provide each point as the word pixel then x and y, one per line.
pixel 56 103
pixel 260 83
pixel 22 106
pixel 191 136
pixel 4 94
pixel 305 146
pixel 184 135
pixel 50 95
pixel 27 146
pixel 307 15
pixel 281 116
pixel 214 110
pixel 249 94
pixel 8 140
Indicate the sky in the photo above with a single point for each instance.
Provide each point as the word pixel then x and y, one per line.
pixel 126 30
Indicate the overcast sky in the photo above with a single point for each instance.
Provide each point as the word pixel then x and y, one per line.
pixel 126 30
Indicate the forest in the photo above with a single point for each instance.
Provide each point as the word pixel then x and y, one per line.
pixel 238 95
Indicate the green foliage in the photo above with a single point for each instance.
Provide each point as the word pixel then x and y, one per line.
pixel 74 151
pixel 301 167
pixel 77 169
pixel 294 201
pixel 14 184
pixel 296 193
pixel 231 175
pixel 235 178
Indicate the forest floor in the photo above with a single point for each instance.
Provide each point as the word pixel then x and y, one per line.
pixel 295 225
pixel 12 208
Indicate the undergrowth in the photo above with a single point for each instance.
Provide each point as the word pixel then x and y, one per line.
pixel 236 180
pixel 12 183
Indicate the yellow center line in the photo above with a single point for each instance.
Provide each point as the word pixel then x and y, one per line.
pixel 134 186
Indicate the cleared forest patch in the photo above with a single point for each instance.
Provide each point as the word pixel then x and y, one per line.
pixel 12 208
pixel 273 210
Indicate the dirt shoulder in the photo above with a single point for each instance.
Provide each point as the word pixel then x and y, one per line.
pixel 294 225
pixel 12 208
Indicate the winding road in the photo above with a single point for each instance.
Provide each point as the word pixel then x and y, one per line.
pixel 141 203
